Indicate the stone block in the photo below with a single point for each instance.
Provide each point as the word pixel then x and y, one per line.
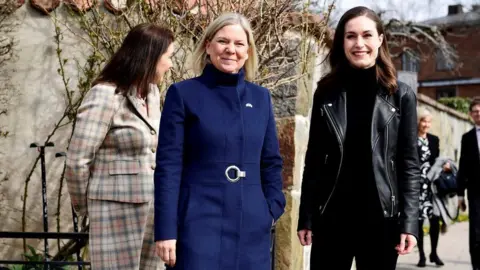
pixel 284 107
pixel 286 137
pixel 288 251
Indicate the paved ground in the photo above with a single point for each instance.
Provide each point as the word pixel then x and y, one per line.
pixel 452 249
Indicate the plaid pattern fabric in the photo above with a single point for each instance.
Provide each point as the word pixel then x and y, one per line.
pixel 121 236
pixel 112 152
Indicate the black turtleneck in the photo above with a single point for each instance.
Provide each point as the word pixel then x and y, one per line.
pixel 356 185
pixel 361 88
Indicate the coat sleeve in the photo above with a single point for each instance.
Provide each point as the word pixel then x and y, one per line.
pixel 312 155
pixel 409 166
pixel 435 149
pixel 271 168
pixel 93 120
pixel 169 166
pixel 462 166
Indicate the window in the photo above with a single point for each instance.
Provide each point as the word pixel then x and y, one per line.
pixel 446 92
pixel 410 62
pixel 442 63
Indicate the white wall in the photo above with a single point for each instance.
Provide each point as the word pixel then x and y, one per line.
pixel 38 103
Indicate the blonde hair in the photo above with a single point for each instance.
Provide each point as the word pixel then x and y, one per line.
pixel 200 57
pixel 423 113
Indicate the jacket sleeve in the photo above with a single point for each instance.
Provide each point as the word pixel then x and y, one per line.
pixel 435 149
pixel 93 120
pixel 169 166
pixel 462 167
pixel 313 153
pixel 409 166
pixel 271 168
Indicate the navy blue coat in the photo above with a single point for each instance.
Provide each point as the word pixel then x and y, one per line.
pixel 208 124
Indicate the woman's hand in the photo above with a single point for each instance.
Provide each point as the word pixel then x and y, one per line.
pixel 166 250
pixel 305 237
pixel 461 204
pixel 407 243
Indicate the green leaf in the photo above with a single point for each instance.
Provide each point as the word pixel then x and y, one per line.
pixel 32 250
pixel 459 104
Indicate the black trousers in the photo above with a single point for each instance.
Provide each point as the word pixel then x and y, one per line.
pixel 372 244
pixel 474 230
pixel 474 243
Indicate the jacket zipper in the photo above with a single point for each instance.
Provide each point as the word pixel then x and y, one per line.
pixel 337 133
pixel 326 158
pixel 392 197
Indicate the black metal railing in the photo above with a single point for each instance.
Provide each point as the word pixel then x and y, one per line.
pixel 80 238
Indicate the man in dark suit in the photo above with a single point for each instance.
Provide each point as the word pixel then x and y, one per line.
pixel 469 178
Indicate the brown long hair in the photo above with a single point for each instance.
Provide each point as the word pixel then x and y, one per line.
pixel 134 63
pixel 386 73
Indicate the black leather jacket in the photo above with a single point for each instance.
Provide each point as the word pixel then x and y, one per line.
pixel 395 158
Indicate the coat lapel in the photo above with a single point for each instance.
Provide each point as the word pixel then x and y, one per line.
pixel 338 111
pixel 383 113
pixel 474 143
pixel 153 101
pixel 138 106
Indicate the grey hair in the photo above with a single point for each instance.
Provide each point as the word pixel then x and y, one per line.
pixel 423 113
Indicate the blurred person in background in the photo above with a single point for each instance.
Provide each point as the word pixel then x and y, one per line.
pixel 469 179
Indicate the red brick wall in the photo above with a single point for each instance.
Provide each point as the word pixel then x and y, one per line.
pixel 466 40
pixel 469 90
pixel 462 91
pixel 428 91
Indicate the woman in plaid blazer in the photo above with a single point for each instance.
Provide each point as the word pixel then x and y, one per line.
pixel 111 157
pixel 218 184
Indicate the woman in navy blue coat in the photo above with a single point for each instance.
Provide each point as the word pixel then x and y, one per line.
pixel 218 186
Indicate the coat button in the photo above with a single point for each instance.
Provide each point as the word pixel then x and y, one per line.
pixel 153 167
pixel 393 109
pixel 152 132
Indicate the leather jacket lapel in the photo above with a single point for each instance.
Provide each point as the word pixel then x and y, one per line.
pixel 338 111
pixel 383 113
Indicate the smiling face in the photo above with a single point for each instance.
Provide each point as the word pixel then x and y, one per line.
pixel 228 49
pixel 361 42
pixel 424 124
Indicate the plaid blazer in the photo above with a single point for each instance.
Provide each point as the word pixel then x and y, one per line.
pixel 112 152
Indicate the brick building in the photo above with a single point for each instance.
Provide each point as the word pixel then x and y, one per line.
pixel 439 78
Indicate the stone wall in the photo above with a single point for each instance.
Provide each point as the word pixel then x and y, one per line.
pixel 38 103
pixel 448 124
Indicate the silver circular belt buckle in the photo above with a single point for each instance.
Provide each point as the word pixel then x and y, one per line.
pixel 239 174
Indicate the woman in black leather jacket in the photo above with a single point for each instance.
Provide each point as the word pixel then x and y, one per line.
pixel 361 180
